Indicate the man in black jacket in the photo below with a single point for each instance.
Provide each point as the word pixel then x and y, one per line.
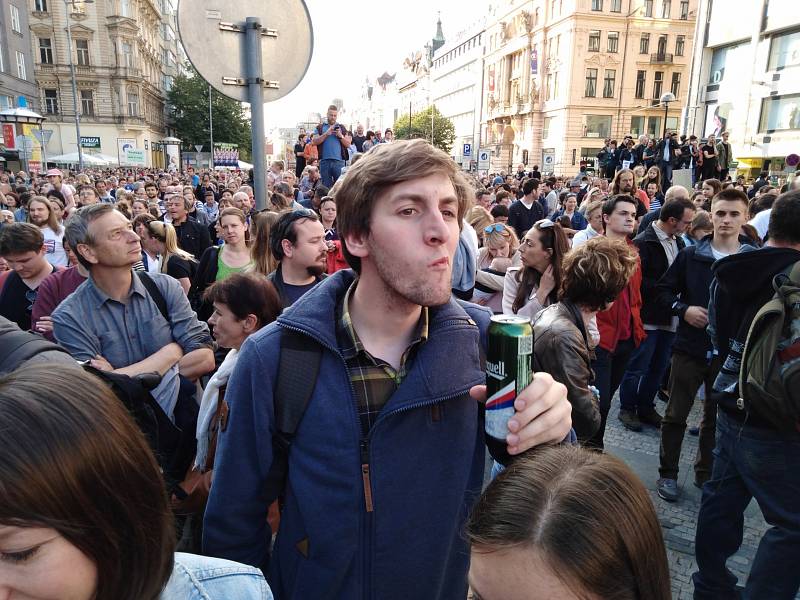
pixel 523 213
pixel 658 246
pixel 668 153
pixel 752 459
pixel 193 237
pixel 683 291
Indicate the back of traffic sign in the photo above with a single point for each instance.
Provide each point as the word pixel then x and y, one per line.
pixel 212 32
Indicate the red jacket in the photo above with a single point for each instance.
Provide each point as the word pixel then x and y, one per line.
pixel 608 320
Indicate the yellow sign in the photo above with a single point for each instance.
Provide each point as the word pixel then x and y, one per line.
pixel 35 162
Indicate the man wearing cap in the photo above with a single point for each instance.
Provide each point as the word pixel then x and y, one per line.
pixel 56 180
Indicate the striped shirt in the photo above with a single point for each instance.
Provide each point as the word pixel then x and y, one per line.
pixel 373 379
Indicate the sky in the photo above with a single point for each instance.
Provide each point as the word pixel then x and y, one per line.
pixel 354 39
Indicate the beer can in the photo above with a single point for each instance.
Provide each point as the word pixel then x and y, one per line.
pixel 508 370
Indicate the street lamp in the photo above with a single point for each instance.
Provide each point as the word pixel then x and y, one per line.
pixel 665 100
pixel 23 116
pixel 67 3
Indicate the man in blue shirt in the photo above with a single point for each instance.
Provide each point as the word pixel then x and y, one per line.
pixel 331 138
pixel 113 322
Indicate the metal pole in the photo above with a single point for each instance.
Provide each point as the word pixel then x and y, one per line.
pixel 666 108
pixel 256 97
pixel 44 150
pixel 211 127
pixel 409 119
pixel 74 87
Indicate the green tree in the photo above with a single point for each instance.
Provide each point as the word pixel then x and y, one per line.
pixel 443 130
pixel 188 113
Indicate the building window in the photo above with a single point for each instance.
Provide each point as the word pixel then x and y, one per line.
pixel 597 126
pixel 15 26
pixel 40 5
pixel 133 104
pixel 597 5
pixel 637 126
pixel 662 45
pixel 127 55
pixel 675 88
pixel 46 51
pixel 591 83
pixel 616 5
pixel 87 102
pixel 654 126
pixel 684 10
pixel 555 85
pixel 548 125
pixel 613 41
pixel 644 43
pixel 779 113
pixel 784 51
pixel 609 83
pixel 21 72
pixel 648 8
pixel 594 40
pixel 665 8
pixel 641 77
pixel 51 102
pixel 680 42
pixel 6 102
pixel 658 85
pixel 82 50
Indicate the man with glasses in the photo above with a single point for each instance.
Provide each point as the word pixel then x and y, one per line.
pixel 297 241
pixel 22 246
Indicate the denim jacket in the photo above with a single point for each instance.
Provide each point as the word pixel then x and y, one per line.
pixel 197 577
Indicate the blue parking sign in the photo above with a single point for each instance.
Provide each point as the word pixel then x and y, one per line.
pixel 467 149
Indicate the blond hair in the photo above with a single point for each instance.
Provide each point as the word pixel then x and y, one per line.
pixel 165 233
pixel 384 166
pixel 478 218
pixel 501 234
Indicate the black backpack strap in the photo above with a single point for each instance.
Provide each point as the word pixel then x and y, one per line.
pixel 298 369
pixel 17 347
pixel 155 293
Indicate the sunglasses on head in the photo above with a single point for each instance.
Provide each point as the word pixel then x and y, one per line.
pixel 544 224
pixel 494 227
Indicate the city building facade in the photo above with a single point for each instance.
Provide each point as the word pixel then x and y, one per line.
pixel 746 82
pixel 564 75
pixel 125 55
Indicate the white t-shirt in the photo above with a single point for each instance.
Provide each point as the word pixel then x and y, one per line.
pixel 54 248
pixel 717 254
pixel 583 236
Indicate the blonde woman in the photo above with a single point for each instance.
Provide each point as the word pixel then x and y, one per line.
pixel 500 243
pixel 160 238
pixel 479 218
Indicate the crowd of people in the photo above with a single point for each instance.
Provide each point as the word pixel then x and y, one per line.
pixel 318 366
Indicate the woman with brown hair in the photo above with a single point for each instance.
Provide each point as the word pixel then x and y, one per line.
pixel 261 225
pixel 219 262
pixel 594 275
pixel 528 289
pixel 569 524
pixel 83 509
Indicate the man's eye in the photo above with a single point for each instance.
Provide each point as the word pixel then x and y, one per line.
pixel 407 212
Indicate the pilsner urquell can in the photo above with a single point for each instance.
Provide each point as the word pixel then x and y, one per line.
pixel 508 370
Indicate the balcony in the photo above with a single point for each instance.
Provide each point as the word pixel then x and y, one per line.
pixel 661 58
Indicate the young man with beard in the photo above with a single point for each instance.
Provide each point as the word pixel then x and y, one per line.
pixel 683 292
pixel 297 242
pixel 41 214
pixel 752 458
pixel 624 183
pixel 389 456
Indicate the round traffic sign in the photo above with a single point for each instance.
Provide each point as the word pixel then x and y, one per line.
pixel 212 33
pixel 483 156
pixel 792 160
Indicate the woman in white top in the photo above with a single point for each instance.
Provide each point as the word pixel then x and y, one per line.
pixel 594 215
pixel 528 289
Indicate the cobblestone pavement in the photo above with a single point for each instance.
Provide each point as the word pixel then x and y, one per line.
pixel 640 452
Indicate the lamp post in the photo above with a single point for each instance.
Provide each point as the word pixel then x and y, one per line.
pixel 67 4
pixel 665 100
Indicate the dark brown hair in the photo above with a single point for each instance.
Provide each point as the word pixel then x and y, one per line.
pixel 553 238
pixel 73 460
pixel 246 294
pixel 586 514
pixel 16 238
pixel 596 272
pixel 384 166
pixel 784 220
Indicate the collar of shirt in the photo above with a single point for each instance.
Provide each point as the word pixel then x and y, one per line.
pixel 662 235
pixel 353 345
pixel 100 297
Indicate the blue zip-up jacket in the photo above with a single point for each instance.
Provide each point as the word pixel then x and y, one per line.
pixel 425 466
